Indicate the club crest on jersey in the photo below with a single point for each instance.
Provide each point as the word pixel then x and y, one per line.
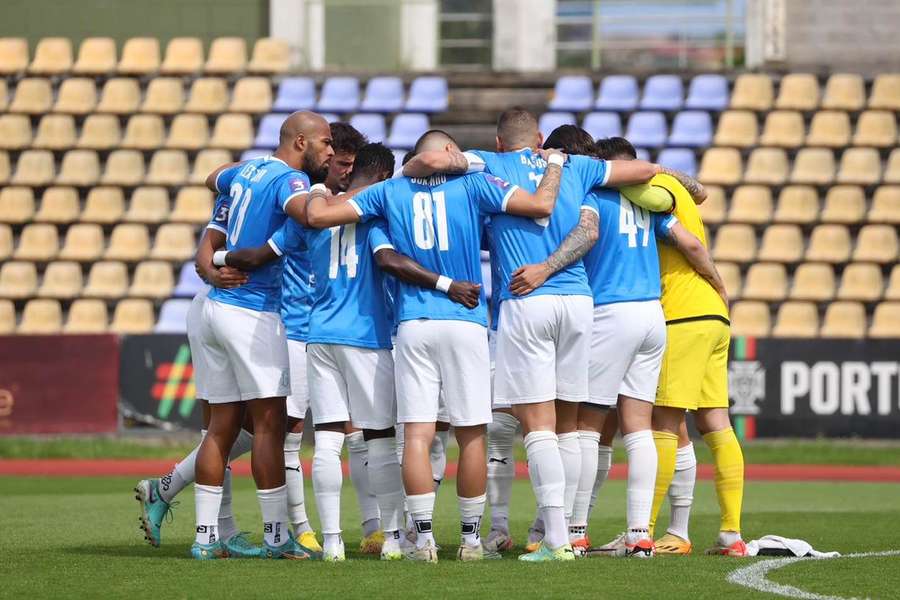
pixel 500 183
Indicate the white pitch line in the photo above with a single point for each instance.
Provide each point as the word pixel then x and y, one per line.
pixel 754 576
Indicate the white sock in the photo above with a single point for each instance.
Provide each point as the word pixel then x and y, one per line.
pixel 400 439
pixel 181 475
pixel 207 499
pixel 549 483
pixel 438 456
pixel 293 479
pixel 242 445
pixel 604 464
pixel 501 468
pixel 273 506
pixel 358 454
pixel 387 482
pixel 328 478
pixel 681 491
pixel 642 461
pixel 570 452
pixel 227 524
pixel 589 442
pixel 471 510
pixel 421 509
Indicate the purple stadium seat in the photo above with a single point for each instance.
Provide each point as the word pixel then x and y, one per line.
pixel 663 92
pixel 330 117
pixel 398 157
pixel 617 92
pixel 254 153
pixel 603 124
pixel 339 95
pixel 269 129
pixel 370 125
pixel 572 92
pixel 691 128
pixel 642 153
pixel 173 316
pixel 189 283
pixel 406 129
pixel 295 93
pixel 647 129
pixel 428 95
pixel 681 159
pixel 551 120
pixel 708 92
pixel 383 94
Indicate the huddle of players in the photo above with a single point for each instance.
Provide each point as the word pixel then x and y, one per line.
pixel 572 337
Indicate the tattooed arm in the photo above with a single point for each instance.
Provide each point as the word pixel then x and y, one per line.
pixel 540 204
pixel 694 187
pixel 426 164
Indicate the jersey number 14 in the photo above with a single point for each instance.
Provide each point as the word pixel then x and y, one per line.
pixel 343 250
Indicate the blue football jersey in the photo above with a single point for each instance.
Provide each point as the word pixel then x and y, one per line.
pixel 259 190
pixel 623 265
pixel 437 221
pixel 219 219
pixel 521 241
pixel 296 288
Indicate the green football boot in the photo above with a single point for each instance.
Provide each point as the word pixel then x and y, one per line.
pixel 154 509
pixel 238 546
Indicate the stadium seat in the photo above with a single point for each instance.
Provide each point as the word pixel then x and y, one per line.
pixel 750 318
pixel 406 129
pixel 38 242
pixel 735 243
pixel 188 132
pixel 647 129
pixel 891 171
pixel 663 92
pixel 797 204
pixel 844 91
pixel 860 165
pixel 844 204
pixel 784 128
pixel 13 55
pixel 798 91
pixel 680 159
pixel 551 120
pixel 174 241
pixel 18 279
pixel 813 166
pixel 751 204
pixel 62 279
pixel 737 128
pixel 33 96
pixel 886 321
pixel 87 315
pixel 295 93
pixel 123 167
pixel 731 277
pixel 813 281
pixel 208 161
pixel 766 281
pixel 829 128
pixel 84 243
pixel 251 95
pixel 796 320
pixel 270 55
pixel 15 132
pixel 140 56
pixel 58 205
pixel 152 279
pixel 189 283
pixel 133 315
pixel 4 167
pixel 886 92
pixel 193 204
pixel 232 131
pixel 106 279
pixel 876 128
pixel 167 167
pixel 861 281
pixel 721 166
pixel 7 317
pixel 100 132
pixel 712 211
pixel 844 320
pixel 16 205
pixel 427 94
pixel 573 93
pixel 691 128
pixel 128 242
pixel 768 166
pixel 339 95
pixel 104 205
pixel 4 94
pixel 144 132
pixel 370 125
pixel 383 94
pixel 173 316
pixel 208 95
pixel 829 243
pixel 268 133
pixel 119 96
pixel 148 205
pixel 52 56
pixel 6 241
pixel 227 55
pixel 35 168
pixel 781 243
pixel 41 317
pixel 602 124
pixel 77 96
pixel 184 56
pixel 893 287
pixel 885 205
pixel 165 95
pixel 96 56
pixel 752 91
pixel 707 92
pixel 617 93
pixel 877 243
pixel 54 132
pixel 80 168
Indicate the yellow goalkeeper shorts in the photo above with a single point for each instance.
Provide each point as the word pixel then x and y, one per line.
pixel 694 371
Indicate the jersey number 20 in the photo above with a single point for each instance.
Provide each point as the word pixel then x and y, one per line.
pixel 430 220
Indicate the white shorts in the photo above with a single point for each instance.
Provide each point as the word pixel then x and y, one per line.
pixel 298 400
pixel 438 358
pixel 542 349
pixel 244 353
pixel 492 350
pixel 627 347
pixel 353 384
pixel 442 415
pixel 192 322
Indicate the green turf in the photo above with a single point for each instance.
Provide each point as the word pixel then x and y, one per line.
pixel 79 538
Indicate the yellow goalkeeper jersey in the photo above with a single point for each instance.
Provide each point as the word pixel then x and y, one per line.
pixel 685 294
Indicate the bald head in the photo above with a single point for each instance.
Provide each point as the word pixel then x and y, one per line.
pixel 517 128
pixel 435 139
pixel 305 123
pixel 305 144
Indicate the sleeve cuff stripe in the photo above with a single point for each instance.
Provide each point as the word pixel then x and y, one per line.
pixel 382 247
pixel 355 206
pixel 590 208
pixel 217 228
pixel 275 247
pixel 506 198
pixel 291 197
pixel 607 172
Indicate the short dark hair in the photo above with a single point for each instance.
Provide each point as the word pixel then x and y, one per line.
pixel 373 160
pixel 345 138
pixel 516 125
pixel 607 148
pixel 571 139
pixel 432 135
pixel 407 157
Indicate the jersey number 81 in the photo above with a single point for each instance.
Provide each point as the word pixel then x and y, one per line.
pixel 430 214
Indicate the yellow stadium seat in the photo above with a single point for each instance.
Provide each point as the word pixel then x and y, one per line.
pixel 167 167
pixel 13 55
pixel 148 205
pixel 208 95
pixel 96 56
pixel 79 168
pixel 844 320
pixel 797 204
pixel 7 317
pixel 766 281
pixel 41 317
pixel 783 128
pixel 55 132
pixel 813 281
pixel 184 55
pixel 731 277
pixel 4 167
pixel 208 161
pixel 6 241
pixel 877 243
pixel 736 128
pixel 123 167
pixel 87 315
pixel 193 204
pixel 77 96
pixel 860 165
pixel 892 292
pixel 188 132
pixel 844 204
pixel 844 91
pixel 892 170
pixel 251 95
pixel 735 243
pixel 886 205
pixel 767 166
pixel 133 315
pixel 750 318
pixel 52 56
pixel 4 94
pixel 752 91
pixel 781 243
pixel 140 56
pixel 798 91
pixel 876 128
pixel 270 55
pixel 33 96
pixel 712 210
pixel 829 128
pixel 59 205
pixel 233 132
pixel 886 91
pixel 796 320
pixel 751 204
pixel 165 95
pixel 84 243
pixel 120 96
pixel 174 241
pixel 62 279
pixel 128 242
pixel 861 281
pixel 16 205
pixel 144 132
pixel 152 279
pixel 721 166
pixel 100 132
pixel 886 321
pixel 104 205
pixel 829 243
pixel 38 241
pixel 226 55
pixel 15 132
pixel 107 279
pixel 18 279
pixel 813 166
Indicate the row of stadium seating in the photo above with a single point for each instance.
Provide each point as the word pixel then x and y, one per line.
pixel 842 319
pixel 812 281
pixel 90 315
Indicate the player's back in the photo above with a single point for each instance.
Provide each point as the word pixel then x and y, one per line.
pixel 296 288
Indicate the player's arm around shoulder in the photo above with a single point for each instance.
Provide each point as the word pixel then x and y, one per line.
pixel 450 162
pixel 698 256
pixel 220 277
pixel 541 203
pixel 320 211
